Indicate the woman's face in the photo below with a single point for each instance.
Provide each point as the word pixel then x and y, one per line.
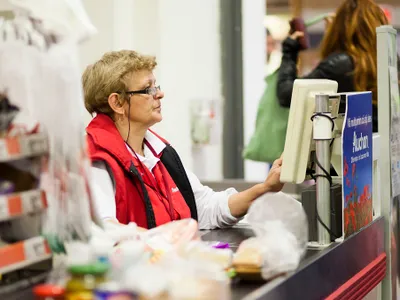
pixel 144 109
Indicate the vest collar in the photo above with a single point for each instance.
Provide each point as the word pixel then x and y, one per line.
pixel 106 136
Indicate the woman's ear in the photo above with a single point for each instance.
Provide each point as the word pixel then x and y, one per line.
pixel 116 103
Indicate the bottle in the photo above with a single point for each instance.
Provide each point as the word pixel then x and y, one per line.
pixel 84 280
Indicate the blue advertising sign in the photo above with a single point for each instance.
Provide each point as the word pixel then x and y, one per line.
pixel 357 162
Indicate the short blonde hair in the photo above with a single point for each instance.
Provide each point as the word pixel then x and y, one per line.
pixel 110 75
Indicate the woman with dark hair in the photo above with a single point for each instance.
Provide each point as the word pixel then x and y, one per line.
pixel 348 52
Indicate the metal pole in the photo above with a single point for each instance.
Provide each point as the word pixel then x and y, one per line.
pixel 322 145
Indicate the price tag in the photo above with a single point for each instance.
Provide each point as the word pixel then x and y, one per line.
pixel 3 208
pixel 3 150
pixel 35 199
pixel 34 248
pixel 37 145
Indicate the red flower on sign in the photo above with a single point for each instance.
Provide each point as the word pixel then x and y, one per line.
pixel 353 170
pixel 345 168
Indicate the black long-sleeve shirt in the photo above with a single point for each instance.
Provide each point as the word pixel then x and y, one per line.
pixel 337 66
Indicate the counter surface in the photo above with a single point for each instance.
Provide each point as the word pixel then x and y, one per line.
pixel 320 273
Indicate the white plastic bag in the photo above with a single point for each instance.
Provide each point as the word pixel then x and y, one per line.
pixel 171 235
pixel 281 229
pixel 200 251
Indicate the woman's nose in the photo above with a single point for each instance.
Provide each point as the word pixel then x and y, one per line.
pixel 159 95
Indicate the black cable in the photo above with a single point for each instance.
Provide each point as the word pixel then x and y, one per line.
pixel 129 120
pixel 325 175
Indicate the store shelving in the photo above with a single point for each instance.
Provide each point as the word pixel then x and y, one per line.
pixel 19 204
pixel 22 254
pixel 19 260
pixel 14 148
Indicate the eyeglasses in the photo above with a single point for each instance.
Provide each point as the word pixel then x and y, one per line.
pixel 149 91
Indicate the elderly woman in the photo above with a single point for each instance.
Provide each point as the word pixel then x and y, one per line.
pixel 140 177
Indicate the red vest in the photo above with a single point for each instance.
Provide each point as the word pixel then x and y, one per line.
pixel 166 201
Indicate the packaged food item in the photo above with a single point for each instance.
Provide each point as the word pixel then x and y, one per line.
pixel 202 252
pixel 248 257
pixel 280 225
pixel 48 292
pixel 220 245
pixel 127 254
pixel 202 281
pixel 7 114
pixel 112 291
pixel 101 249
pixel 148 281
pixel 84 280
pixel 171 235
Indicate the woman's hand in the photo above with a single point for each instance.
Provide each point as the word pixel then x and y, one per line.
pixel 296 35
pixel 239 203
pixel 273 183
pixel 329 20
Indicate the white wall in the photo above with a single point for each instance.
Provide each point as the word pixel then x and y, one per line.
pixel 253 43
pixel 184 35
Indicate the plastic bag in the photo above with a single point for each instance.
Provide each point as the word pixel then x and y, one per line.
pixel 171 235
pixel 281 229
pixel 202 280
pixel 201 251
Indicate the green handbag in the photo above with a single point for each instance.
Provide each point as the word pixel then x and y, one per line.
pixel 268 140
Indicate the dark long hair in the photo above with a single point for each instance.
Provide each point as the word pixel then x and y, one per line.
pixel 353 31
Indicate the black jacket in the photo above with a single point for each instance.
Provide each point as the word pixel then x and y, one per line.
pixel 337 66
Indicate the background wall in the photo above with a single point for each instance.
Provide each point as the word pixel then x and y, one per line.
pixel 184 35
pixel 254 56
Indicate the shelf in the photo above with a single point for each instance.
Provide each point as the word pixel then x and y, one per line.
pixel 18 204
pixel 22 254
pixel 22 289
pixel 13 148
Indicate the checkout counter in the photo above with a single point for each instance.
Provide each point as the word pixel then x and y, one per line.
pixel 347 270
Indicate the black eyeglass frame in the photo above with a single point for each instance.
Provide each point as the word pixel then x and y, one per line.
pixel 147 91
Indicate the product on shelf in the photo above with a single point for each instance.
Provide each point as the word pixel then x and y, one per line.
pixel 7 114
pixel 6 187
pixel 21 179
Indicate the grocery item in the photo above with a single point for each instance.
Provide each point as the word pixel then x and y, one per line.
pixel 127 254
pixel 204 280
pixel 220 245
pixel 112 291
pixel 7 114
pixel 280 225
pixel 248 257
pixel 101 248
pixel 201 252
pixel 171 235
pixel 147 281
pixel 84 280
pixel 48 292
